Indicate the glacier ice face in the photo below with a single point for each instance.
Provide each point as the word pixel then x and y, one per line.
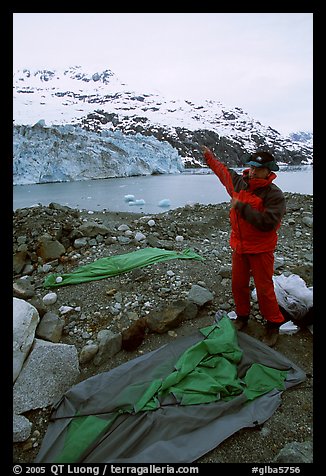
pixel 67 153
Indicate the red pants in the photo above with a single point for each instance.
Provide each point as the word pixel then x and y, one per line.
pixel 261 267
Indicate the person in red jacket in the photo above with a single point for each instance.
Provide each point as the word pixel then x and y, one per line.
pixel 257 208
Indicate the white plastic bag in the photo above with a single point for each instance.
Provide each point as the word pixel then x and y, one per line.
pixel 292 294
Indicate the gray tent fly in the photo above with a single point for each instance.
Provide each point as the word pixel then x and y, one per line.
pixel 171 405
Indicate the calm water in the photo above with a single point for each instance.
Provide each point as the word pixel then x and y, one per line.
pixel 179 190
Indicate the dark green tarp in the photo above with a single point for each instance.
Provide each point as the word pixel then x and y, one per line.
pixel 171 405
pixel 118 264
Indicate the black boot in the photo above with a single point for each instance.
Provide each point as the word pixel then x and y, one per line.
pixel 241 322
pixel 272 332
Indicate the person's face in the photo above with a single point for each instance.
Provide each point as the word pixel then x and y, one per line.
pixel 258 172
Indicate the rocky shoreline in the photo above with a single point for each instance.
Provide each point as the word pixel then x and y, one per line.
pixel 148 307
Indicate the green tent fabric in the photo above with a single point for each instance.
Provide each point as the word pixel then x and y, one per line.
pixel 204 373
pixel 118 264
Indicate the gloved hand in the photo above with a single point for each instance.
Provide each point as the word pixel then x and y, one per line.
pixel 208 154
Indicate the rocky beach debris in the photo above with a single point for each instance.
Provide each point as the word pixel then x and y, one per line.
pixel 100 324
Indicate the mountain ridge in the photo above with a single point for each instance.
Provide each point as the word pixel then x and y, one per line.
pixel 99 101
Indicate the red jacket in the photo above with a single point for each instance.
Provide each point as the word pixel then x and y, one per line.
pixel 257 216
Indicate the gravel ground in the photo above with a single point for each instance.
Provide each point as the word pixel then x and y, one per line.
pixel 204 229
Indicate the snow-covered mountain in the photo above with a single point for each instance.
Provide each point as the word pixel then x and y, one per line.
pixel 74 124
pixel 302 136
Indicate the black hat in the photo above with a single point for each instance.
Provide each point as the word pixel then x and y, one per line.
pixel 263 159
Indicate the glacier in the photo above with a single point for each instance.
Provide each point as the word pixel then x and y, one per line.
pixel 66 153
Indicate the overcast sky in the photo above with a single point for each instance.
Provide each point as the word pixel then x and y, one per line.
pixel 261 62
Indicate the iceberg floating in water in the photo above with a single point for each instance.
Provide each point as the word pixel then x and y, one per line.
pixel 165 203
pixel 140 201
pixel 129 198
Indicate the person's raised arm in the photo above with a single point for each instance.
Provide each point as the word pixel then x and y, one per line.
pixel 219 169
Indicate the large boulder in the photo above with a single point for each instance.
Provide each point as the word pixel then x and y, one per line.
pixel 25 321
